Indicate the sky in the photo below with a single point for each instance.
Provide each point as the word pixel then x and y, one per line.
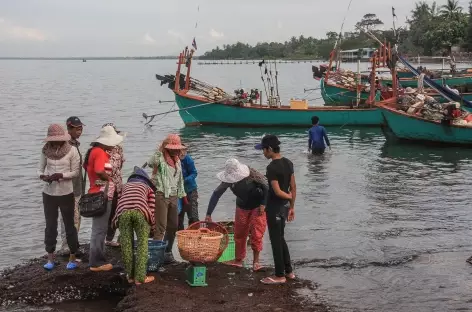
pixel 66 28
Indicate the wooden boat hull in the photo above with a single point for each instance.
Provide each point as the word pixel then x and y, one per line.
pixel 339 96
pixel 409 127
pixel 255 116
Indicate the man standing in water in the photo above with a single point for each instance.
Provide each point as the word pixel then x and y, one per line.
pixel 282 193
pixel 317 137
pixel 74 127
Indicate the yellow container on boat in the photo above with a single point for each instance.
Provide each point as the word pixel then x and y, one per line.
pixel 298 104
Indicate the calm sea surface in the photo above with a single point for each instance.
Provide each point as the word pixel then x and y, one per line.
pixel 380 226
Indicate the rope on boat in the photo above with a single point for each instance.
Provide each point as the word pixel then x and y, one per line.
pixel 165 114
pixel 342 25
pixel 151 117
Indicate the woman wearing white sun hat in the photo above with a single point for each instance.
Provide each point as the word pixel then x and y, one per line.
pixel 251 190
pixel 98 167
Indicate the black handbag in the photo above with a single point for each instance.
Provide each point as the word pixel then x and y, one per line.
pixel 93 205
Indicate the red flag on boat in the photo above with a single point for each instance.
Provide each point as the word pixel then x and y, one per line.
pixel 194 44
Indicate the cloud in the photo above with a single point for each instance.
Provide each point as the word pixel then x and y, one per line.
pixel 215 34
pixel 26 33
pixel 9 30
pixel 176 35
pixel 148 39
pixel 279 25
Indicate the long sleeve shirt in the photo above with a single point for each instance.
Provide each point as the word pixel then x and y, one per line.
pixel 138 196
pixel 77 181
pixel 69 166
pixel 167 180
pixel 250 192
pixel 317 137
pixel 189 173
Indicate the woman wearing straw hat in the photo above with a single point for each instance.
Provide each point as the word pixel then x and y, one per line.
pixel 168 179
pixel 59 164
pixel 251 190
pixel 117 160
pixel 99 170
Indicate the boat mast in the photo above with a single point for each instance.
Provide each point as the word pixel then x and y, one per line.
pixel 189 65
pixel 177 74
pixel 372 79
pixel 276 81
pixel 359 82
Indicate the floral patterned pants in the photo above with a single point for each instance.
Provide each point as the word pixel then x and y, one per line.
pixel 248 222
pixel 130 222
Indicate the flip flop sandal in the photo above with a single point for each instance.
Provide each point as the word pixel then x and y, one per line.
pixel 148 279
pixel 271 281
pixel 72 265
pixel 233 264
pixel 291 276
pixel 49 266
pixel 112 244
pixel 258 268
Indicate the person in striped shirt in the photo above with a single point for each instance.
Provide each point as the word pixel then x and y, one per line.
pixel 135 214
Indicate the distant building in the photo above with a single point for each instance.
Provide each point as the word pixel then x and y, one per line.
pixel 351 55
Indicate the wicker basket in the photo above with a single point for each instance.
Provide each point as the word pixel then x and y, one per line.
pixel 199 246
pixel 215 227
pixel 228 225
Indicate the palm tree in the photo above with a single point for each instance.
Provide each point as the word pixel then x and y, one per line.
pixel 434 11
pixel 450 9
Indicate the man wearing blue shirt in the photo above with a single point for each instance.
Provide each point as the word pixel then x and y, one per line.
pixel 317 137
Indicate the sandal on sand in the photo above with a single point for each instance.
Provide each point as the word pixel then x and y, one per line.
pixel 72 265
pixel 232 263
pixel 49 266
pixel 103 268
pixel 290 276
pixel 271 281
pixel 112 244
pixel 148 279
pixel 256 267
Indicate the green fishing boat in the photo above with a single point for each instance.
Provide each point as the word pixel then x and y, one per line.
pixel 337 95
pixel 405 74
pixel 451 81
pixel 441 99
pixel 194 112
pixel 202 104
pixel 410 127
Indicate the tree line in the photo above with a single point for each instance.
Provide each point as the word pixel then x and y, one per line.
pixel 431 29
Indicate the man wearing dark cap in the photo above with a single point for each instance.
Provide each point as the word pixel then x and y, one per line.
pixel 282 193
pixel 74 127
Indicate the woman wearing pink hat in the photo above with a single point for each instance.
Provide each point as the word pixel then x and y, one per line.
pixel 59 164
pixel 168 179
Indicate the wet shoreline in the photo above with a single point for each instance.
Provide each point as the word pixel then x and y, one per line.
pixel 29 286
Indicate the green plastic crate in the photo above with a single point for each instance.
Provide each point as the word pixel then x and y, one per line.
pixel 196 276
pixel 229 253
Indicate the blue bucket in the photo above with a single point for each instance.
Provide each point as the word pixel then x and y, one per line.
pixel 156 253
